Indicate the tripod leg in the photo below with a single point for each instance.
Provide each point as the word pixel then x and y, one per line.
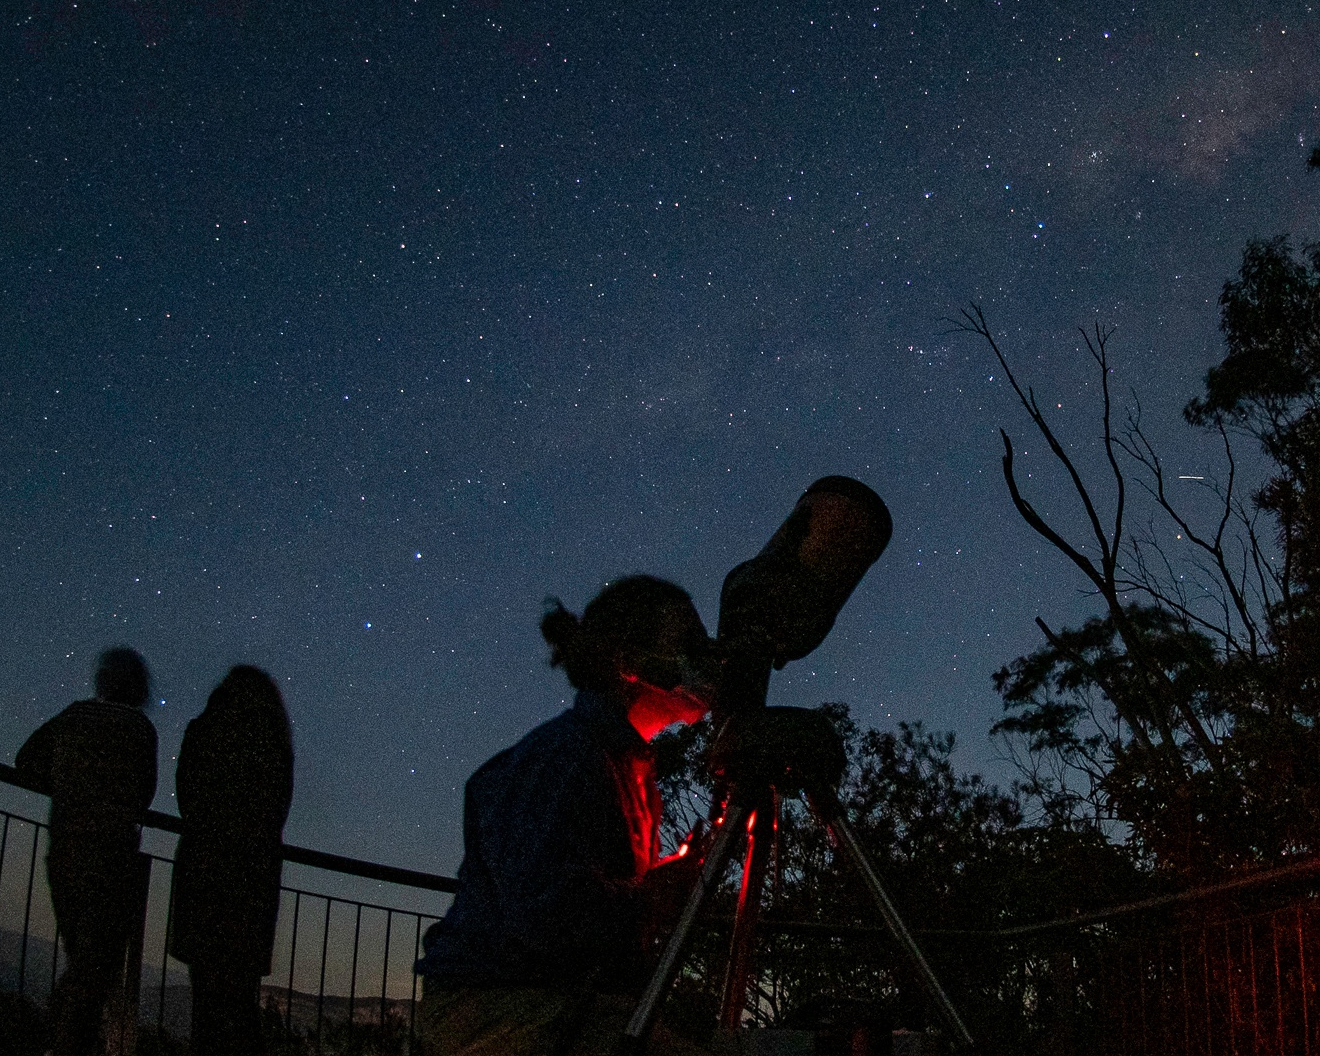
pixel 760 837
pixel 835 819
pixel 648 1008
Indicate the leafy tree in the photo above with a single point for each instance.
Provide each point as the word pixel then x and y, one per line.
pixel 1185 712
pixel 957 861
pixel 1269 386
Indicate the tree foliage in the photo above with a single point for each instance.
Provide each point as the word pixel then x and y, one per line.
pixel 1186 711
pixel 1269 386
pixel 956 859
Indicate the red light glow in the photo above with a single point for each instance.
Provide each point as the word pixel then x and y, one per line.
pixel 680 853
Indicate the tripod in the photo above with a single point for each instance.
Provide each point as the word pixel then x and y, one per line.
pixel 761 753
pixel 776 608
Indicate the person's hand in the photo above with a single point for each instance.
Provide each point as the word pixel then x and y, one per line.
pixel 668 885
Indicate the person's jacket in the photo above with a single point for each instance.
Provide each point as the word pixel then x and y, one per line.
pixel 558 832
pixel 97 762
pixel 234 784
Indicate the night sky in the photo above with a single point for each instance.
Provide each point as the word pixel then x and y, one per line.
pixel 335 341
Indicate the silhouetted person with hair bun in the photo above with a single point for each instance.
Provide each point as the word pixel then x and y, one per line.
pixel 546 942
pixel 234 784
pixel 96 760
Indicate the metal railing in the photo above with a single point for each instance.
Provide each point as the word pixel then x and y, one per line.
pixel 1234 975
pixel 322 980
pixel 1244 986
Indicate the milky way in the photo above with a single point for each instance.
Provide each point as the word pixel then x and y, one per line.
pixel 335 342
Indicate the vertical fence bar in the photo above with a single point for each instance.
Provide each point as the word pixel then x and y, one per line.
pixel 293 952
pixel 385 969
pixel 1304 983
pixel 1255 1000
pixel 412 1007
pixel 1165 1029
pixel 320 994
pixel 1131 1037
pixel 1205 972
pixel 4 843
pixel 1230 991
pixel 1104 1011
pixel 1186 995
pixel 165 955
pixel 55 958
pixel 1278 983
pixel 1141 975
pixel 27 913
pixel 352 982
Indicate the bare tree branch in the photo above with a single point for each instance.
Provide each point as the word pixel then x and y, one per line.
pixel 1038 523
pixel 1099 354
pixel 974 323
pixel 1105 577
pixel 1142 451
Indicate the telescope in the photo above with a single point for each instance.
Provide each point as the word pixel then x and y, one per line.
pixel 775 608
pixel 780 605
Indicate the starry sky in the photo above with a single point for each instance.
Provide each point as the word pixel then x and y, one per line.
pixel 335 341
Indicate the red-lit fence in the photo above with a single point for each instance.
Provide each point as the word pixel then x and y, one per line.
pixel 1243 986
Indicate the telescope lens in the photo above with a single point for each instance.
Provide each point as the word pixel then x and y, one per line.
pixel 783 602
pixel 848 527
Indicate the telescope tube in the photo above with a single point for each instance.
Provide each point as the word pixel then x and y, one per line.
pixel 780 605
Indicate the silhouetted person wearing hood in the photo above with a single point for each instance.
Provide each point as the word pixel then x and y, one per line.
pixel 234 783
pixel 96 760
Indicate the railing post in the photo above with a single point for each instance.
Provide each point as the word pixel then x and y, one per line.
pixel 1305 983
pixel 293 953
pixel 1204 938
pixel 126 1014
pixel 1278 983
pixel 320 993
pixel 385 969
pixel 55 958
pixel 1187 993
pixel 412 1005
pixel 27 912
pixel 352 981
pixel 165 956
pixel 1250 932
pixel 4 845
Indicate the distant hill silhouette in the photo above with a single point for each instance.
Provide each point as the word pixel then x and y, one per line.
pixel 178 994
pixel 37 981
pixel 37 969
pixel 334 1009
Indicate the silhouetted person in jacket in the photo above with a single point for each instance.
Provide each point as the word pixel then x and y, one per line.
pixel 96 760
pixel 561 890
pixel 234 785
